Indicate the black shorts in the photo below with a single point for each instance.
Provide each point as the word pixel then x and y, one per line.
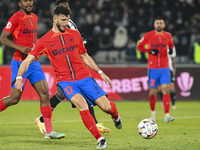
pixel 173 78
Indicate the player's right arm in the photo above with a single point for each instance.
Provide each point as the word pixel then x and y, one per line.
pixel 143 42
pixel 22 69
pixel 7 42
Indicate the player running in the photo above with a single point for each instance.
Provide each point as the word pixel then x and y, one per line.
pixel 58 97
pixel 69 58
pixel 158 42
pixel 23 27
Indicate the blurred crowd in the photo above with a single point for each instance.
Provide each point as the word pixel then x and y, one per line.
pixel 118 24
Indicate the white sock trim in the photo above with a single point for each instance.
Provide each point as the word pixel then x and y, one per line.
pixel 101 138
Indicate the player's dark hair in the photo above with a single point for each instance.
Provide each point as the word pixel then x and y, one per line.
pixel 61 10
pixel 159 18
pixel 60 1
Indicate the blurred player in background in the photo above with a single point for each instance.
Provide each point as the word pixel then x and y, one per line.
pixel 172 90
pixel 23 27
pixel 68 56
pixel 158 42
pixel 58 97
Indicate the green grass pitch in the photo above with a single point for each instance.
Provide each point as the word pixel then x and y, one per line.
pixel 18 132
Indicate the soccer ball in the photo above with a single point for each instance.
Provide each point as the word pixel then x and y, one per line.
pixel 147 128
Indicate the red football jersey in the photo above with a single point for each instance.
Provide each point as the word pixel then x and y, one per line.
pixel 63 50
pixel 24 31
pixel 161 41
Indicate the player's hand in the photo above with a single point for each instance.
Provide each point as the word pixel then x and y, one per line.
pixel 154 51
pixel 88 42
pixel 106 79
pixel 25 50
pixel 19 84
pixel 170 51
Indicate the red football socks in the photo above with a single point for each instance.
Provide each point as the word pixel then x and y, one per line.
pixel 47 113
pixel 166 102
pixel 2 106
pixel 89 123
pixel 113 112
pixel 152 101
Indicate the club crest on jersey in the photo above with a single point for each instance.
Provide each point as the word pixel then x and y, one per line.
pixel 9 25
pixel 71 39
pixel 64 50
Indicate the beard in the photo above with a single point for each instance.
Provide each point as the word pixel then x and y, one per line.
pixel 159 30
pixel 28 12
pixel 59 28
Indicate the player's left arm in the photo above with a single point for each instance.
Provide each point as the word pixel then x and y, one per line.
pixel 22 69
pixel 88 61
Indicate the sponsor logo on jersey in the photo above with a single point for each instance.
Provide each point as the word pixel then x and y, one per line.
pixel 158 45
pixel 27 31
pixel 64 50
pixel 9 25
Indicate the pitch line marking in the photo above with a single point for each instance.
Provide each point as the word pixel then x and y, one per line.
pixel 68 121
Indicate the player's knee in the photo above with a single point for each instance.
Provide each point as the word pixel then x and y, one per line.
pixel 44 94
pixel 165 90
pixel 153 93
pixel 106 108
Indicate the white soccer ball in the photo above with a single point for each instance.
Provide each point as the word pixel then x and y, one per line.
pixel 147 128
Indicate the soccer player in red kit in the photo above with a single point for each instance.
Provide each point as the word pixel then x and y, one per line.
pixel 58 97
pixel 69 58
pixel 158 42
pixel 23 27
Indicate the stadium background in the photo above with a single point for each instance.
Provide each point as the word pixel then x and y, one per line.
pixel 107 20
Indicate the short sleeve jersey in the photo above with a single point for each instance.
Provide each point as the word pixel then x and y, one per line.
pixel 63 51
pixel 161 41
pixel 24 31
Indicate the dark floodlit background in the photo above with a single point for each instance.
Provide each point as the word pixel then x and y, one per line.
pixel 117 25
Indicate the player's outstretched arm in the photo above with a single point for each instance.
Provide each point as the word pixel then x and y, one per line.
pixel 88 61
pixel 7 42
pixel 22 69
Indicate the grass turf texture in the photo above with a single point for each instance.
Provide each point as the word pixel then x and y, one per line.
pixel 17 129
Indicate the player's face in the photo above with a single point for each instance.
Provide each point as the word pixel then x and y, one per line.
pixel 61 22
pixel 65 4
pixel 159 25
pixel 26 6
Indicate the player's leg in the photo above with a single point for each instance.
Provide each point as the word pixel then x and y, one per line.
pixel 160 95
pixel 153 75
pixel 15 94
pixel 166 102
pixel 165 81
pixel 54 101
pixel 100 126
pixel 91 89
pixel 172 90
pixel 41 88
pixel 39 83
pixel 12 99
pixel 173 95
pixel 73 94
pixel 110 108
pixel 152 102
